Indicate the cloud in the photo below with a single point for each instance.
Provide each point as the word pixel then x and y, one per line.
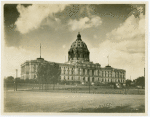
pixel 132 63
pixel 125 47
pixel 13 57
pixel 55 23
pixel 64 46
pixel 31 17
pixel 84 23
pixel 131 34
pixel 95 36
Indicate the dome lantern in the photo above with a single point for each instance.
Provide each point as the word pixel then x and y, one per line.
pixel 78 36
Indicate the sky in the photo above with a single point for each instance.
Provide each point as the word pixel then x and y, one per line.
pixel 114 30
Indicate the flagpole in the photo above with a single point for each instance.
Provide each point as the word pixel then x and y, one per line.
pixel 40 50
pixel 108 59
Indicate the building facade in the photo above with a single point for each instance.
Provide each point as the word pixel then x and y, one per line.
pixel 79 67
pixel 29 68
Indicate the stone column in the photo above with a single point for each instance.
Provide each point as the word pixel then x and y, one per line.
pixel 76 70
pixel 66 71
pixel 81 71
pixel 85 71
pixel 62 70
pixel 70 70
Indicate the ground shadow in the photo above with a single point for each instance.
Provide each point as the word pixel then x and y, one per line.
pixel 117 109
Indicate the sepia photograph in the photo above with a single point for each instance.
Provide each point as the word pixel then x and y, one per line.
pixel 85 58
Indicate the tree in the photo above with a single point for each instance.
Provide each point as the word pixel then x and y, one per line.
pixel 140 81
pixel 41 73
pixel 9 79
pixel 55 73
pixel 128 82
pixel 48 73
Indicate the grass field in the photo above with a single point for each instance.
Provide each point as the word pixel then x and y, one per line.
pixel 29 101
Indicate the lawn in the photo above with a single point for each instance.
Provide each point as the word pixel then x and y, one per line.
pixel 30 101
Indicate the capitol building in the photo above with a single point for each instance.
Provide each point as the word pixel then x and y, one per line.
pixel 78 67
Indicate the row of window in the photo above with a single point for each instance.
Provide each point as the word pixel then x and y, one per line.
pixel 79 43
pixel 94 72
pixel 79 55
pixel 93 66
pixel 27 76
pixel 93 79
pixel 27 68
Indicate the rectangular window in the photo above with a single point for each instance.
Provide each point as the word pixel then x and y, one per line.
pixel 106 74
